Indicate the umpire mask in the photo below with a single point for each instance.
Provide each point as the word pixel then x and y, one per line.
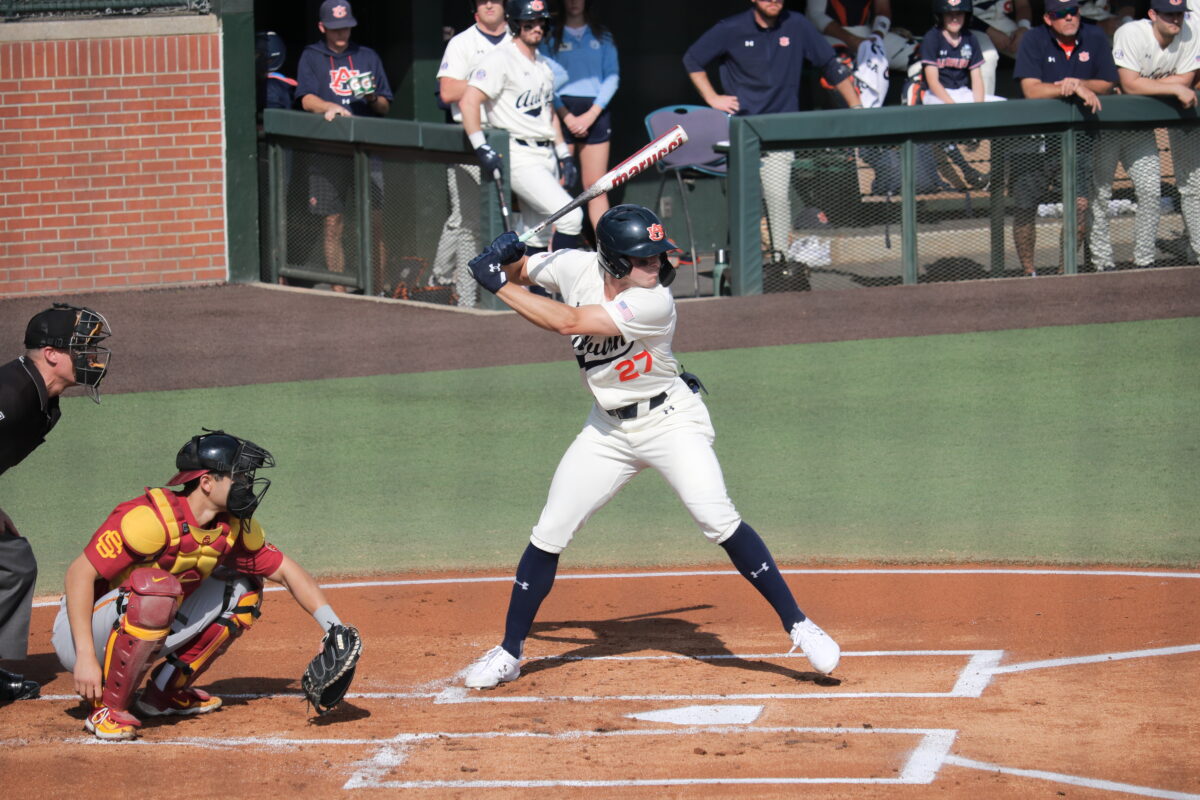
pixel 79 331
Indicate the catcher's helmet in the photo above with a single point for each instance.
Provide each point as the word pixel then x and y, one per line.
pixel 631 230
pixel 518 11
pixel 78 331
pixel 942 6
pixel 270 48
pixel 221 452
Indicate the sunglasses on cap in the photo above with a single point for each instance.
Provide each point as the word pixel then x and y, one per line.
pixel 1063 13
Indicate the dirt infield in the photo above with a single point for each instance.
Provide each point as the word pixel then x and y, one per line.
pixel 954 683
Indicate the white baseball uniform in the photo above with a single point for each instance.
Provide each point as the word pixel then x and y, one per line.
pixel 520 94
pixel 671 432
pixel 1135 48
pixel 458 242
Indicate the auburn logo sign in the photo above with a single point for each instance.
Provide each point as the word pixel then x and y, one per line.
pixel 655 232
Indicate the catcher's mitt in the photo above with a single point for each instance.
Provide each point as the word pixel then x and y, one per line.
pixel 327 677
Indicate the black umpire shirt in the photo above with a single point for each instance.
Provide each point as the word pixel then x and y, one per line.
pixel 27 412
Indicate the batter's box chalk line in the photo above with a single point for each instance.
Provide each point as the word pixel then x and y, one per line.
pixel 921 766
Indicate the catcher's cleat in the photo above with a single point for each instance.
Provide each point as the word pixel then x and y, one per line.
pixel 181 702
pixel 112 725
pixel 820 649
pixel 495 667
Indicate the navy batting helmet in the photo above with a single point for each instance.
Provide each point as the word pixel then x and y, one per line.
pixel 221 452
pixel 270 48
pixel 627 231
pixel 518 11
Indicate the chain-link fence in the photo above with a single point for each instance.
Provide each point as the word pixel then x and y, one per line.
pixel 968 205
pixel 387 221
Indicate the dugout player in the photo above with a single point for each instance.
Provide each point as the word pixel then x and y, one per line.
pixel 1157 56
pixel 458 242
pixel 761 53
pixel 620 316
pixel 176 575
pixel 1073 62
pixel 514 85
pixel 340 78
pixel 62 349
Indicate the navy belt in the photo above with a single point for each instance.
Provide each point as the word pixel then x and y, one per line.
pixel 534 142
pixel 630 411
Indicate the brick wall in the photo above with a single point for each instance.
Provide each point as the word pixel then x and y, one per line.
pixel 111 158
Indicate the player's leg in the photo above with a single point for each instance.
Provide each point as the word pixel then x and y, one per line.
pixel 146 606
pixel 534 174
pixel 593 163
pixel 991 60
pixel 1142 163
pixel 1104 168
pixel 590 473
pixel 218 613
pixel 776 176
pixel 682 453
pixel 335 257
pixel 1185 145
pixel 18 574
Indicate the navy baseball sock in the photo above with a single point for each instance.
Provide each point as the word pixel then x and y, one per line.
pixel 750 555
pixel 535 577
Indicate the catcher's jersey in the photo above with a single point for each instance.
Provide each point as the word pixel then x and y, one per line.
pixel 1135 48
pixel 520 92
pixel 462 56
pixel 158 529
pixel 617 370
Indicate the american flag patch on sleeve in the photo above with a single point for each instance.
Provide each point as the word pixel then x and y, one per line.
pixel 626 311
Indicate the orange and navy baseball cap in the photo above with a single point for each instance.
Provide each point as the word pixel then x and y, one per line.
pixel 1169 6
pixel 337 14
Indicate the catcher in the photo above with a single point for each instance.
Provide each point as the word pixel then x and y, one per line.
pixel 177 576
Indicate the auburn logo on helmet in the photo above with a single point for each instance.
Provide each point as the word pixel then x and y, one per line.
pixel 537 5
pixel 655 232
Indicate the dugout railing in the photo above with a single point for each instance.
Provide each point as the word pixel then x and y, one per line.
pixel 413 205
pixel 906 195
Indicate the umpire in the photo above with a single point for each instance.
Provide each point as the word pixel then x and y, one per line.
pixel 62 349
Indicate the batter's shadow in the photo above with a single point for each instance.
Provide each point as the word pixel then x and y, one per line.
pixel 654 631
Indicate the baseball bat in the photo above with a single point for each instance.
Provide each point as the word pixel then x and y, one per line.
pixel 637 163
pixel 500 193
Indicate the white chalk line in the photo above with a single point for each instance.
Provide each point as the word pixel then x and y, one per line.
pixel 1072 780
pixel 729 572
pixel 1096 659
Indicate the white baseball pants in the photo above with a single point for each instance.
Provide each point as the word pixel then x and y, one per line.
pixel 534 175
pixel 675 439
pixel 1138 151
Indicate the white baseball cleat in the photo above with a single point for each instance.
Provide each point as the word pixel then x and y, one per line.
pixel 820 648
pixel 495 667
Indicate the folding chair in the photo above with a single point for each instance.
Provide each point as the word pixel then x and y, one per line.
pixel 705 127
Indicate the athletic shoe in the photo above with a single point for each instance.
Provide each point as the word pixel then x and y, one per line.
pixel 112 725
pixel 180 702
pixel 16 687
pixel 822 651
pixel 495 667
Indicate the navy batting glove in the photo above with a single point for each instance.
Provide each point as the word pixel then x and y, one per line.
pixel 488 270
pixel 568 171
pixel 508 247
pixel 489 159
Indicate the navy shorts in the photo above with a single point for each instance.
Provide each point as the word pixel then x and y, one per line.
pixel 601 130
pixel 331 179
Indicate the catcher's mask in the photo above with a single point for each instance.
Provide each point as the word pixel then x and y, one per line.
pixel 221 452
pixel 79 331
pixel 269 50
pixel 631 230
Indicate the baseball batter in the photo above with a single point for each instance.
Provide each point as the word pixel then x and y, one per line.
pixel 514 86
pixel 173 575
pixel 621 319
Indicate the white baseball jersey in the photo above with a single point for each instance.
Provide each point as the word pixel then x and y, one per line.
pixel 520 92
pixel 462 56
pixel 617 370
pixel 1135 48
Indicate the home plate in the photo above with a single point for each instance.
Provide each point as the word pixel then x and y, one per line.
pixel 702 715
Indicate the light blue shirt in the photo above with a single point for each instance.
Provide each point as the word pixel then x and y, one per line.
pixel 590 65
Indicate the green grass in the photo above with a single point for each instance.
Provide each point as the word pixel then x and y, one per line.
pixel 1069 445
